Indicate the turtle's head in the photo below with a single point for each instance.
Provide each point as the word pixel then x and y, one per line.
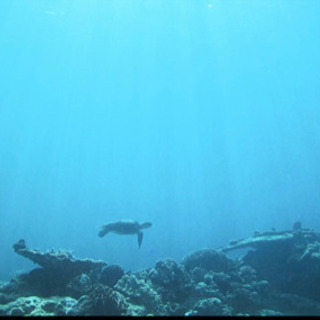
pixel 145 225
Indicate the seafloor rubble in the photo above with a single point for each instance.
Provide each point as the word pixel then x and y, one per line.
pixel 279 276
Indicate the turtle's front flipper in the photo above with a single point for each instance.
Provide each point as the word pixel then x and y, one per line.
pixel 140 236
pixel 103 232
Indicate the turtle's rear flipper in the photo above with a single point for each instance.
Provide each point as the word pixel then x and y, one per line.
pixel 140 236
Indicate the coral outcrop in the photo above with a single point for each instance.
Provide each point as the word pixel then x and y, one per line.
pixel 101 300
pixel 60 261
pixel 208 259
pixel 171 280
pixel 141 292
pixel 289 260
pixel 109 275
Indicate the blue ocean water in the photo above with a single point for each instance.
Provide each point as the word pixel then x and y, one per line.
pixel 200 116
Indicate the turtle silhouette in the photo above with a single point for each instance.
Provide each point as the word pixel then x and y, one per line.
pixel 125 227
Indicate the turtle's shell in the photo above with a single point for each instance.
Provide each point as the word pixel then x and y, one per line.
pixel 123 227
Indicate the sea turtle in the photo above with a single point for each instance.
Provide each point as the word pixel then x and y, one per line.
pixel 125 227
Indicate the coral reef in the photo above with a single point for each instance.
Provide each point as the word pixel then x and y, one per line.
pixel 278 277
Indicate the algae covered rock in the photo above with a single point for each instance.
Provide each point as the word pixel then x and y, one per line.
pixel 106 301
pixel 4 298
pixel 79 285
pixel 247 273
pixel 269 313
pixel 297 305
pixel 36 306
pixel 210 307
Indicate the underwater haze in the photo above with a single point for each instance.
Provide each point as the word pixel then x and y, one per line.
pixel 200 116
